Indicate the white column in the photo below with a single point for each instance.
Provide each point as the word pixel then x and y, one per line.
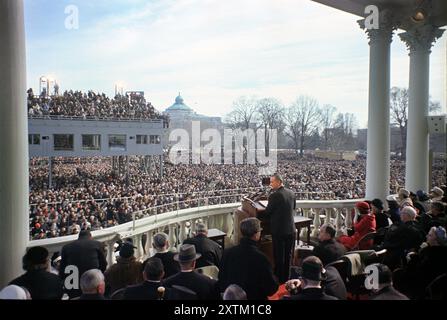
pixel 419 41
pixel 172 237
pixel 378 142
pixel 111 259
pixel 137 242
pixel 149 240
pixel 14 214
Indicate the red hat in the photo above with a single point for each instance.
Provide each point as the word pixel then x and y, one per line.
pixel 363 207
pixel 37 225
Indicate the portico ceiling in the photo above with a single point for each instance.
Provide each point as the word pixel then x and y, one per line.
pixel 402 9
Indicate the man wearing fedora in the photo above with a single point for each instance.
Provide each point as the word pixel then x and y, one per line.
pixel 309 287
pixel 126 271
pixel 436 194
pixel 204 287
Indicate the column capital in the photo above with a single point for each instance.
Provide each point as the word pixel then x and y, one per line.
pixel 387 24
pixel 421 38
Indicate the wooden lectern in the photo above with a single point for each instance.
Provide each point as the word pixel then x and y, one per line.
pixel 251 207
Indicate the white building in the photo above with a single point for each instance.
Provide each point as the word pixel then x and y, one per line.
pixel 181 116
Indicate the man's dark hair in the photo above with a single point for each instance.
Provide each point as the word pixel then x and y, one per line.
pixel 385 274
pixel 84 234
pixel 330 230
pixel 278 177
pixel 154 269
pixel 35 258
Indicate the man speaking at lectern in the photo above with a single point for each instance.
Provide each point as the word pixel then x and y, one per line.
pixel 281 204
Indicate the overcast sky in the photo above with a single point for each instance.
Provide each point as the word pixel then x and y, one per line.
pixel 213 51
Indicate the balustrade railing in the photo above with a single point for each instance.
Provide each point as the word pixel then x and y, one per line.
pixel 179 219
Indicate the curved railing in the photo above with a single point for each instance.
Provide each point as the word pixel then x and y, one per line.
pixel 180 223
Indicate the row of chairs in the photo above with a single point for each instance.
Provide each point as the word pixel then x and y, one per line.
pixel 351 268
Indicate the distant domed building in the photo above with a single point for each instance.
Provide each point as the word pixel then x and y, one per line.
pixel 179 109
pixel 181 116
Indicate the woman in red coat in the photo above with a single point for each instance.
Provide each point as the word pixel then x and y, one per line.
pixel 365 224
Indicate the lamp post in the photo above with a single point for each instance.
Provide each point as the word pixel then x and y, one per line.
pixel 43 80
pixel 119 88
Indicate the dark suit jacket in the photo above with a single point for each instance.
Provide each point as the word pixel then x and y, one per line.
pixel 145 291
pixel 204 287
pixel 211 251
pixel 246 266
pixel 311 294
pixel 329 251
pixel 85 254
pixel 281 204
pixel 92 297
pixel 388 293
pixel 42 285
pixel 403 237
pixel 170 265
pixel 333 284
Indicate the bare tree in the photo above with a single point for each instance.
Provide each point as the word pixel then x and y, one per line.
pixel 399 112
pixel 308 115
pixel 327 121
pixel 343 131
pixel 244 113
pixel 271 113
pixel 292 126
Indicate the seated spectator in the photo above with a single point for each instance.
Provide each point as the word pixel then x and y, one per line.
pixel 385 290
pixel 393 209
pixel 246 266
pixel 366 223
pixel 424 200
pixel 41 284
pixel 127 270
pixel 427 264
pixel 14 292
pixel 204 287
pixel 332 282
pixel 308 286
pixel 381 216
pixel 436 217
pixel 151 288
pixel 161 246
pixel 92 285
pixel 234 292
pixel 420 209
pixel 327 249
pixel 404 199
pixel 210 250
pixel 402 238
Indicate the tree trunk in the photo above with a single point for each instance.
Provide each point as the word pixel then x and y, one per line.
pixel 302 146
pixel 404 142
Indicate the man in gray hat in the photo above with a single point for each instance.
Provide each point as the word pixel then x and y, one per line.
pixel 126 271
pixel 436 194
pixel 204 287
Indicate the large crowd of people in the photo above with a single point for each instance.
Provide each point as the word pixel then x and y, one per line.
pixel 91 105
pixel 89 194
